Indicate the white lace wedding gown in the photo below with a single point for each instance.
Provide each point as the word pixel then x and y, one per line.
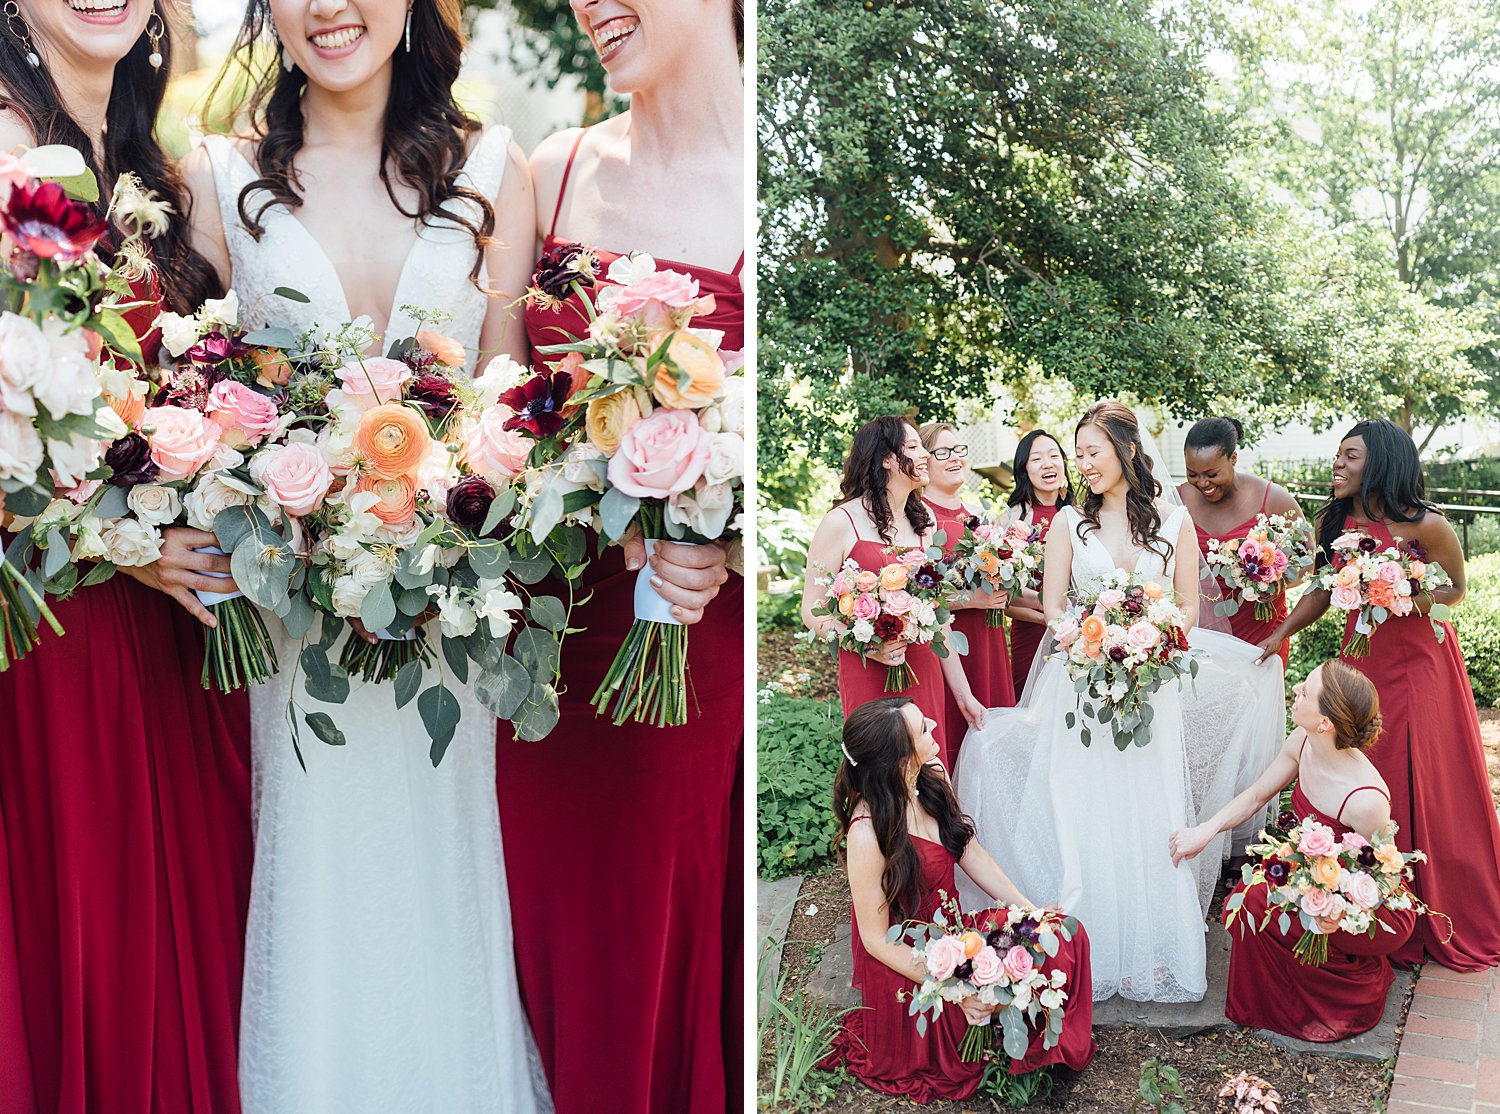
pixel 1087 827
pixel 378 965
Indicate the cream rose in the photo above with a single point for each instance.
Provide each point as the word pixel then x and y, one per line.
pixel 154 504
pixel 131 543
pixel 705 510
pixel 294 475
pixel 208 498
pixel 726 458
pixel 21 450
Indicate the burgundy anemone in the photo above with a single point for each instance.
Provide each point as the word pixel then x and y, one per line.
pixel 538 404
pixel 45 221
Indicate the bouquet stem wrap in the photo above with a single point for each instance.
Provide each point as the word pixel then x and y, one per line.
pixel 647 682
pixel 239 650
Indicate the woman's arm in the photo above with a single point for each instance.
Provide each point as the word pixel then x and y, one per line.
pixel 1280 501
pixel 1440 541
pixel 872 914
pixel 981 866
pixel 509 259
pixel 1188 843
pixel 958 683
pixel 1057 568
pixel 1185 572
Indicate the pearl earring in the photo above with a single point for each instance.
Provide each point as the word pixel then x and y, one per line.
pixel 155 35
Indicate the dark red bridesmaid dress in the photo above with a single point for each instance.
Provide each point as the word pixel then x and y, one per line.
pixel 634 834
pixel 1431 756
pixel 1026 636
pixel 1270 988
pixel 879 1042
pixel 125 822
pixel 1243 624
pixel 861 681
pixel 987 664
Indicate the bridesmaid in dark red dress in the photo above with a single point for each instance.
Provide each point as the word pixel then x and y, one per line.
pixel 1337 713
pixel 987 664
pixel 904 834
pixel 879 507
pixel 1430 753
pixel 1224 503
pixel 1042 487
pixel 124 786
pixel 634 829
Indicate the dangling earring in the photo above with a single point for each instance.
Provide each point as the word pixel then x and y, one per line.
pixel 408 26
pixel 155 36
pixel 13 21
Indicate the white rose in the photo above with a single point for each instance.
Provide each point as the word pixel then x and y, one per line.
pixel 705 510
pixel 21 450
pixel 208 498
pixel 726 459
pixel 223 311
pixel 130 543
pixel 178 333
pixel 369 569
pixel 24 358
pixel 732 406
pixel 70 385
pixel 72 460
pixel 863 631
pixel 348 596
pixel 154 504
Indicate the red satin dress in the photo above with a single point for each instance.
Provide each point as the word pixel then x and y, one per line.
pixel 1270 988
pixel 125 855
pixel 1430 755
pixel 861 681
pixel 987 664
pixel 634 835
pixel 1026 636
pixel 880 1045
pixel 1243 624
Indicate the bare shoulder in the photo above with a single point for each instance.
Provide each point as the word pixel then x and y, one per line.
pixel 1279 501
pixel 1367 810
pixel 551 156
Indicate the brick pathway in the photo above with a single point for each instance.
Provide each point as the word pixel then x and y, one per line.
pixel 1449 1058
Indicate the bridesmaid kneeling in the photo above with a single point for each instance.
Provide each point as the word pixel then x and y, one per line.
pixel 1337 712
pixel 900 863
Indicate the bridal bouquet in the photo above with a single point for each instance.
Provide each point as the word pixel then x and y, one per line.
pixel 1259 567
pixel 997 955
pixel 1378 583
pixel 907 599
pixel 1004 558
pixel 62 330
pixel 1121 646
pixel 1329 884
pixel 640 424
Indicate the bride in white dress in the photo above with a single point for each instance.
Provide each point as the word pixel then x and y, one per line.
pixel 379 972
pixel 1087 827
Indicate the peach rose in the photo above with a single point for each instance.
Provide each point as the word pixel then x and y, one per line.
pixel 491 450
pixel 245 416
pixel 893 577
pixel 1326 872
pixel 866 581
pixel 445 350
pixel 1418 570
pixel 943 955
pixel 899 602
pixel 654 296
pixel 1389 571
pixel 295 476
pixel 696 358
pixel 1142 635
pixel 393 439
pixel 373 381
pixel 660 456
pixel 1363 891
pixel 1152 590
pixel 1317 840
pixel 972 942
pixel 1066 631
pixel 271 367
pixel 1018 962
pixel 607 419
pixel 1110 598
pixel 1389 856
pixel 182 441
pixel 1346 598
pixel 398 498
pixel 1348 576
pixel 988 967
pixel 1317 903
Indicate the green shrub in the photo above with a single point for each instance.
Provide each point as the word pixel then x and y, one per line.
pixel 1313 647
pixel 798 754
pixel 1477 620
pixel 778 611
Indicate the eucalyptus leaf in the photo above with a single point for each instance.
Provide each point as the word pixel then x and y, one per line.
pixel 272 336
pixel 504 688
pixel 500 507
pixel 262 569
pixel 439 710
pixel 378 609
pixel 489 562
pixel 291 295
pixel 546 513
pixel 299 618
pixel 549 612
pixel 538 651
pixel 959 641
pixel 325 729
pixel 113 503
pixel 457 658
pixel 539 715
pixel 616 511
pixel 408 681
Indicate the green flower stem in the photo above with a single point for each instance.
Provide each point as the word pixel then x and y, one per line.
pixel 239 650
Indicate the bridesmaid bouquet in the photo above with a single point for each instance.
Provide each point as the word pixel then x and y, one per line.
pixel 998 956
pixel 62 400
pixel 1329 884
pixel 907 598
pixel 640 426
pixel 1260 567
pixel 1378 583
pixel 1122 645
pixel 1004 558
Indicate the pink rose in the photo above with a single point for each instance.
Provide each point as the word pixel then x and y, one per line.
pixel 986 532
pixel 1249 551
pixel 943 955
pixel 372 381
pixel 1018 963
pixel 1317 840
pixel 182 440
pixel 1354 841
pixel 840 585
pixel 898 602
pixel 1362 889
pixel 295 476
pixel 1402 606
pixel 913 558
pixel 660 455
pixel 1317 903
pixel 491 450
pixel 1389 571
pixel 1346 598
pixel 245 416
pixel 654 296
pixel 866 607
pixel 1110 598
pixel 866 580
pixel 1142 635
pixel 1279 564
pixel 988 967
pixel 1066 631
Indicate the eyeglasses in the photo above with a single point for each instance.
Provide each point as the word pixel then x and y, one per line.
pixel 959 451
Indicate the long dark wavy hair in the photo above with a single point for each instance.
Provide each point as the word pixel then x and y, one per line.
pixel 1390 487
pixel 877 746
pixel 129 144
pixel 864 476
pixel 1119 424
pixel 427 135
pixel 1023 495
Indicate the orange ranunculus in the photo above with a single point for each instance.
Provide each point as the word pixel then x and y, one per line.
pixel 131 408
pixel 393 438
pixel 846 604
pixel 445 350
pixel 972 942
pixel 1267 553
pixel 989 563
pixel 1382 594
pixel 1326 872
pixel 398 497
pixel 893 577
pixel 866 581
pixel 1093 629
pixel 704 369
pixel 1152 590
pixel 271 367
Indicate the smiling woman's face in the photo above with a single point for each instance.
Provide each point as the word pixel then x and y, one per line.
pixel 340 44
pixel 1095 457
pixel 641 41
pixel 84 33
pixel 1210 471
pixel 1349 467
pixel 912 449
pixel 1044 466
